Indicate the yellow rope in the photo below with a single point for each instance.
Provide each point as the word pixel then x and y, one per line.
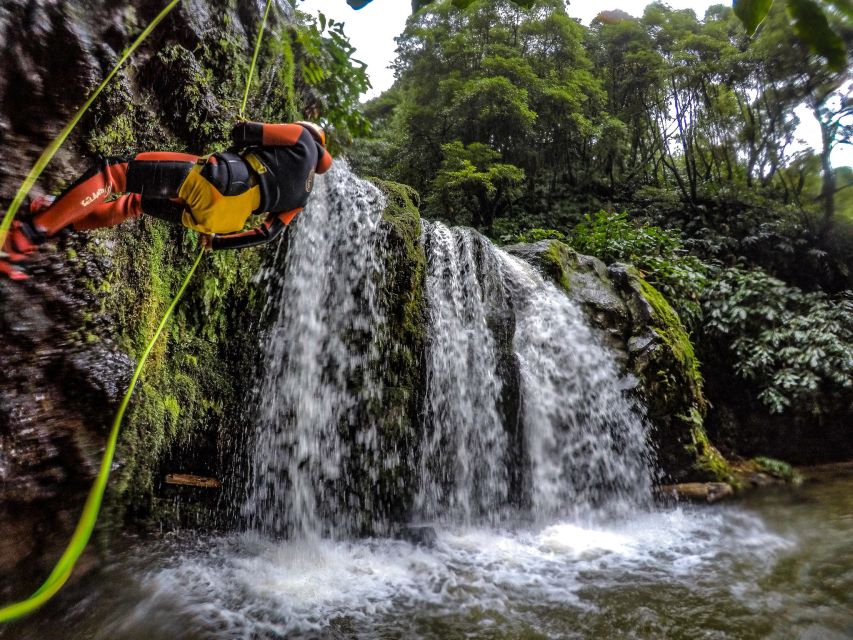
pixel 89 517
pixel 254 59
pixel 47 154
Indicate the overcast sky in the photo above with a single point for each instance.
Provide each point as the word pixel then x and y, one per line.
pixel 372 31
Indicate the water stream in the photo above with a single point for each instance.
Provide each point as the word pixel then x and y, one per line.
pixel 530 465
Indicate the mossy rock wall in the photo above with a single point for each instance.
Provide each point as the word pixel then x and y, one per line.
pixel 401 367
pixel 75 330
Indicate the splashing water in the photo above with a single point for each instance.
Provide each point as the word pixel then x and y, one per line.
pixel 316 376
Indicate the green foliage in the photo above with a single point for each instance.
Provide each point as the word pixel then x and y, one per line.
pixel 776 468
pixel 471 180
pixel 658 253
pixel 810 25
pixel 808 22
pixel 752 12
pixel 795 347
pixel 326 64
pixel 535 235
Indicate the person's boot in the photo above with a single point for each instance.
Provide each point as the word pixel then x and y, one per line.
pixel 21 242
pixel 8 270
pixel 22 239
pixel 39 204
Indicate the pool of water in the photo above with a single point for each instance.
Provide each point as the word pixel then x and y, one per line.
pixel 775 564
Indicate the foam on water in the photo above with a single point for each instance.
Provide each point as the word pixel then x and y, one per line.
pixel 247 586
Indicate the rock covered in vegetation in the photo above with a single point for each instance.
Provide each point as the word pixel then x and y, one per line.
pixel 637 322
pixel 73 332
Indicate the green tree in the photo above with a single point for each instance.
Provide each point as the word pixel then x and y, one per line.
pixel 473 181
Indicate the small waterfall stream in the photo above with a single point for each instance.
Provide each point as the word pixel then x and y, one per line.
pixel 317 377
pixel 463 466
pixel 584 442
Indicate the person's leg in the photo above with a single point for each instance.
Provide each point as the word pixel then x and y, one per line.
pixel 92 197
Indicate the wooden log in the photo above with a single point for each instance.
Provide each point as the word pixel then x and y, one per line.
pixel 698 491
pixel 189 480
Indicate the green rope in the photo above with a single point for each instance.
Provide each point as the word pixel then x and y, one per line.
pixel 254 59
pixel 86 524
pixel 47 154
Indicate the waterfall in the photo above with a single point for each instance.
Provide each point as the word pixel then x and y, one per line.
pixel 462 468
pixel 584 446
pixel 521 413
pixel 586 441
pixel 316 377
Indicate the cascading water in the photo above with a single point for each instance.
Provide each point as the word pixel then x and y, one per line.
pixel 586 441
pixel 463 469
pixel 585 444
pixel 582 445
pixel 317 377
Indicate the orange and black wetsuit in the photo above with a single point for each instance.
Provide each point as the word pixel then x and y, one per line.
pixel 270 169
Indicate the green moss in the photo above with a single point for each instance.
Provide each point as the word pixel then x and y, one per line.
pixel 195 379
pixel 554 262
pixel 710 463
pixel 408 268
pixel 668 326
pixel 775 468
pixel 402 344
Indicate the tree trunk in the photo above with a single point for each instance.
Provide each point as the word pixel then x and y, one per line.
pixel 827 192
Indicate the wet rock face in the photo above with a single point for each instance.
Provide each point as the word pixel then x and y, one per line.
pixel 54 53
pixel 58 397
pixel 71 333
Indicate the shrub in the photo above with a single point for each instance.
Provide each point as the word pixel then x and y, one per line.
pixel 796 347
pixel 658 253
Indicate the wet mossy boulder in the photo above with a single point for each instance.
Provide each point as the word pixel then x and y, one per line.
pixel 650 342
pixel 400 369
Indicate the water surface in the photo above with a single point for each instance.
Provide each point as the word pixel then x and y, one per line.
pixel 777 564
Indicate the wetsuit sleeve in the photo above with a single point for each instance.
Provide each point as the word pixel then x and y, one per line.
pixel 268 231
pixel 257 134
pixel 324 160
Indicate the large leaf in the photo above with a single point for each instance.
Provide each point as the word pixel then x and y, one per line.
pixel 462 4
pixel 752 12
pixel 811 26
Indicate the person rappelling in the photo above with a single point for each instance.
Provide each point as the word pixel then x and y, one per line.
pixel 268 170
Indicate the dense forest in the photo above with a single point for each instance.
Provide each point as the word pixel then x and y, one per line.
pixel 667 141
